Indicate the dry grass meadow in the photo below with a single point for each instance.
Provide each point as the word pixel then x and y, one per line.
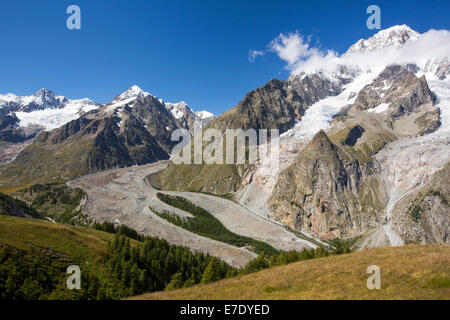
pixel 409 272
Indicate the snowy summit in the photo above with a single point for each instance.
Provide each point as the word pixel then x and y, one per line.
pixel 396 35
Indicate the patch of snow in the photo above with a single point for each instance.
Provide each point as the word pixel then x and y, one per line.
pixel 318 116
pixel 111 107
pixel 55 118
pixel 382 107
pixel 204 115
pixel 179 110
pixel 132 93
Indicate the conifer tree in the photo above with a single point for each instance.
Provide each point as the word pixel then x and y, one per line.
pixel 213 271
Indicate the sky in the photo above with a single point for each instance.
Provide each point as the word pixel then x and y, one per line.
pixel 191 50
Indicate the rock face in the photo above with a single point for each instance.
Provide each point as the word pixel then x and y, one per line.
pixel 10 131
pixel 321 192
pixel 276 105
pixel 407 101
pixel 205 117
pixel 334 188
pixel 439 67
pixel 186 117
pixel 424 215
pixel 183 114
pixel 396 86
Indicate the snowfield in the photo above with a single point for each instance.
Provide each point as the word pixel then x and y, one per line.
pixel 55 118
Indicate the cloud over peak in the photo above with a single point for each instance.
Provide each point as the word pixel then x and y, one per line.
pixel 301 55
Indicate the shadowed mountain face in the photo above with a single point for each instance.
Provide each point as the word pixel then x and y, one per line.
pixel 11 132
pixel 276 105
pixel 120 135
pixel 322 192
pixel 336 187
pixel 16 208
pixel 134 128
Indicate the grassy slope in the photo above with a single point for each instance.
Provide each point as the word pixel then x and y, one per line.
pixel 10 189
pixel 53 200
pixel 16 208
pixel 38 253
pixel 75 242
pixel 42 162
pixel 409 272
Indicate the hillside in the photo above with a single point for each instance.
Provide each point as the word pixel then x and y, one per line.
pixel 80 136
pixel 35 254
pixel 356 138
pixel 277 104
pixel 39 253
pixel 16 208
pixel 409 272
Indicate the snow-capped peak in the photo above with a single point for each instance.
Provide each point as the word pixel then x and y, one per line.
pixel 204 115
pixel 132 92
pixel 182 112
pixel 394 36
pixel 43 99
pixel 179 109
pixel 45 109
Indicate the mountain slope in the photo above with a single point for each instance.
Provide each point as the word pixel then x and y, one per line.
pixel 335 189
pixel 409 272
pixel 423 216
pixel 380 115
pixel 36 254
pixel 16 208
pixel 186 117
pixel 44 109
pixel 132 129
pixel 326 193
pixel 393 36
pixel 276 105
pixel 39 252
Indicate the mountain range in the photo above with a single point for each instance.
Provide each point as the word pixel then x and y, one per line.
pixel 360 135
pixel 94 128
pixel 364 145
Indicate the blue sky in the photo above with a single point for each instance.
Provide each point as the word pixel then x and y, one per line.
pixel 192 50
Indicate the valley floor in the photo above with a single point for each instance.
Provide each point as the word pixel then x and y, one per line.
pixel 408 272
pixel 123 196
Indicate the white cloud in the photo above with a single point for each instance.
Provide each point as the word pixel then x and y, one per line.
pixel 253 54
pixel 301 56
pixel 296 51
